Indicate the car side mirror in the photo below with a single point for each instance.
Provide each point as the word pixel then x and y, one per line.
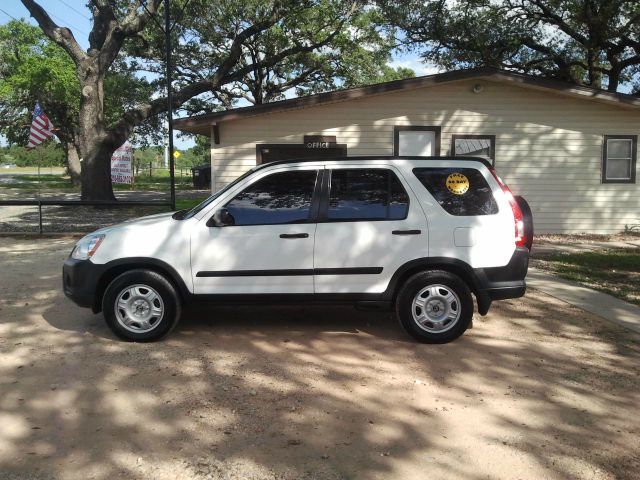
pixel 221 218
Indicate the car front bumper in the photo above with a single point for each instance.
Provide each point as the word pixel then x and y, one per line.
pixel 80 281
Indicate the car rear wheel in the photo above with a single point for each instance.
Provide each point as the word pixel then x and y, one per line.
pixel 141 306
pixel 434 306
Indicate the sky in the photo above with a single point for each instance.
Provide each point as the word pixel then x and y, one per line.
pixel 76 16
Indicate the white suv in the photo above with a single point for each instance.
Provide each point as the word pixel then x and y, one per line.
pixel 417 234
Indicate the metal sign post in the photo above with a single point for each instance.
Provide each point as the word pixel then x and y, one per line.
pixel 167 43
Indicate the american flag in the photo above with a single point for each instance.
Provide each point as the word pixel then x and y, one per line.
pixel 41 128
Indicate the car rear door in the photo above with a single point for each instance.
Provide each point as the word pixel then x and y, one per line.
pixel 369 224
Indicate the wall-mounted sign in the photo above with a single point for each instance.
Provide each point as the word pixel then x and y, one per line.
pixel 320 141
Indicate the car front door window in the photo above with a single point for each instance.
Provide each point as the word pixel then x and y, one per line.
pixel 280 198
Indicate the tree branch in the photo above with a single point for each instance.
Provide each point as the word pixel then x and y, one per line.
pixel 557 20
pixel 132 24
pixel 62 36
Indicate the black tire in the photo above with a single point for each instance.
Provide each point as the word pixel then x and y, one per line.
pixel 169 301
pixel 414 285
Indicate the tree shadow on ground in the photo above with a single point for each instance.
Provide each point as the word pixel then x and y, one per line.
pixel 306 392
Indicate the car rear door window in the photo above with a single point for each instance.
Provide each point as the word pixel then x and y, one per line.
pixel 279 198
pixel 366 194
pixel 460 191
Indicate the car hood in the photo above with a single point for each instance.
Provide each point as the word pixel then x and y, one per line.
pixel 148 221
pixel 155 236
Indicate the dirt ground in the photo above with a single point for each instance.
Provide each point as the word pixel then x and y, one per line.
pixel 537 389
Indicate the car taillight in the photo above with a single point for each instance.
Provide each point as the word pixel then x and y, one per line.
pixel 518 217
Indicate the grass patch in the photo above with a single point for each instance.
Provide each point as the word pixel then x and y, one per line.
pixel 32 170
pixel 183 203
pixel 614 271
pixel 33 182
pixel 159 182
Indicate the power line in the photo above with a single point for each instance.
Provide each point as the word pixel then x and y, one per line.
pixel 52 15
pixel 75 10
pixel 68 23
pixel 8 14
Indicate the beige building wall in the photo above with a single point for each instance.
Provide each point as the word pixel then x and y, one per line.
pixel 548 146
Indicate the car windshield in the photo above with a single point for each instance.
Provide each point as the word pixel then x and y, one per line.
pixel 193 211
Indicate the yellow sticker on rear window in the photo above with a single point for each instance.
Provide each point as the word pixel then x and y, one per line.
pixel 457 183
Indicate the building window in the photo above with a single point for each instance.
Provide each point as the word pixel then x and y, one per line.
pixel 366 194
pixel 416 141
pixel 474 146
pixel 619 158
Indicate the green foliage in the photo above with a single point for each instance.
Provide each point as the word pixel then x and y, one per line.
pixel 578 41
pixel 202 150
pixel 191 157
pixel 223 51
pixel 32 68
pixel 49 154
pixel 343 45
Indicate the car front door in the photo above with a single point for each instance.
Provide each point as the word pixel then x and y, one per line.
pixel 369 224
pixel 261 240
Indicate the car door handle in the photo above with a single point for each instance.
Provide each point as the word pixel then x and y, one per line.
pixel 406 232
pixel 294 235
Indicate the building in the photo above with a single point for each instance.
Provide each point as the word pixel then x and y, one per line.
pixel 571 151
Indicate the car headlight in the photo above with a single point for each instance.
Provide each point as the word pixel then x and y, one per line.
pixel 87 246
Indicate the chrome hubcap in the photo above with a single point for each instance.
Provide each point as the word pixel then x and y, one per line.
pixel 139 308
pixel 436 308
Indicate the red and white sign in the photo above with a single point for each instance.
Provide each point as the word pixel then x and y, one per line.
pixel 121 164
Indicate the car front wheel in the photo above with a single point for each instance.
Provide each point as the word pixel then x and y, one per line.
pixel 434 306
pixel 141 306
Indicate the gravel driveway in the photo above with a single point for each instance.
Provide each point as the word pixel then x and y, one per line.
pixel 537 389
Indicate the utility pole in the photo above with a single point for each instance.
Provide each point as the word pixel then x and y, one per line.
pixel 167 46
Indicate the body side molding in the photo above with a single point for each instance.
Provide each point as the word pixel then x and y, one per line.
pixel 292 272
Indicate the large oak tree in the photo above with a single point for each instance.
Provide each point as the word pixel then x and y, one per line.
pixel 34 69
pixel 212 53
pixel 584 42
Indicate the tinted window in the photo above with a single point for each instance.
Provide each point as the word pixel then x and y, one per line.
pixel 367 194
pixel 460 191
pixel 194 211
pixel 278 198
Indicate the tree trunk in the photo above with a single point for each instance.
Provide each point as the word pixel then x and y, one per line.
pixel 73 162
pixel 96 174
pixel 96 145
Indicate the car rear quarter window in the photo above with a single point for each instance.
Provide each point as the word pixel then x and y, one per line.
pixel 366 194
pixel 460 191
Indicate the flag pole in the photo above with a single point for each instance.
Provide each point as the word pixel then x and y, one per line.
pixel 39 147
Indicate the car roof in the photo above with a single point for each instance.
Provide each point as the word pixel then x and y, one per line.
pixel 365 158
